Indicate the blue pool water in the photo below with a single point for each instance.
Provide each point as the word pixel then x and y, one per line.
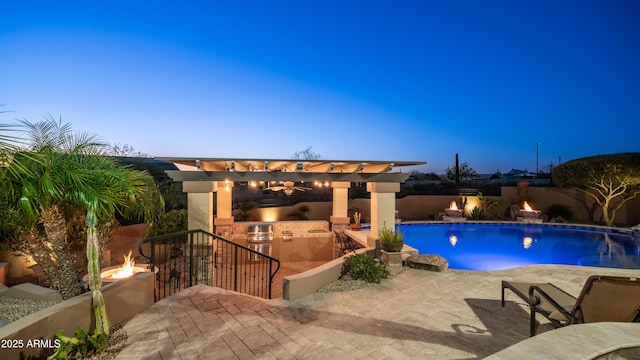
pixel 503 246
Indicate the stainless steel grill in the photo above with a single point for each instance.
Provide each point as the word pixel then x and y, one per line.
pixel 260 233
pixel 259 238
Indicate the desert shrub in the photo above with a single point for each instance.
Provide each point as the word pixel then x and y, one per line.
pixel 556 210
pixel 244 211
pixel 169 223
pixel 476 213
pixel 299 214
pixel 81 345
pixel 366 267
pixel 388 235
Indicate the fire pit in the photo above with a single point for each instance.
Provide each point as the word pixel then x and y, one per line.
pixel 124 271
pixel 453 210
pixel 528 215
pixel 453 214
pixel 528 212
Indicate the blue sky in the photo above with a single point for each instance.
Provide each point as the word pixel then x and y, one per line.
pixel 357 80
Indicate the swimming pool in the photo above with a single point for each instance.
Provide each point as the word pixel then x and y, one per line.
pixel 498 246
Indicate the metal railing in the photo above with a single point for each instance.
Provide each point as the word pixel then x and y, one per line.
pixel 194 257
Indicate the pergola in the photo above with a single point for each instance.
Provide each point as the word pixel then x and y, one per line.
pixel 204 177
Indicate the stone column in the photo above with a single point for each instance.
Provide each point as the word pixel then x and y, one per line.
pixel 200 204
pixel 383 207
pixel 340 215
pixel 200 217
pixel 224 206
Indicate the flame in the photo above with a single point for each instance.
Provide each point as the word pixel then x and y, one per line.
pixel 453 205
pixel 527 241
pixel 527 207
pixel 126 269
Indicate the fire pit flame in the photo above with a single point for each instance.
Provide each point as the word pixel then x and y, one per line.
pixel 124 271
pixel 453 211
pixel 526 207
pixel 527 213
pixel 127 269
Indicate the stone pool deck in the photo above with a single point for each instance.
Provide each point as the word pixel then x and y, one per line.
pixel 417 315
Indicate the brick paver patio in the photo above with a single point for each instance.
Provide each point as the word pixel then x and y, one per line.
pixel 417 315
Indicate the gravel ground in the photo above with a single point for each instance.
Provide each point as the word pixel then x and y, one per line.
pixel 346 283
pixel 117 342
pixel 13 309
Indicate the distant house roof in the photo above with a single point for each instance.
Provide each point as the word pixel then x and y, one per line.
pixel 515 173
pixel 217 169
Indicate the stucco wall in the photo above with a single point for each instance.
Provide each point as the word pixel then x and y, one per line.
pixel 584 208
pixel 123 300
pixel 425 207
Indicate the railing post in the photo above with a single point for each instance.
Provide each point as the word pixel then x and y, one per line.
pixel 191 259
pixel 152 266
pixel 270 278
pixel 235 269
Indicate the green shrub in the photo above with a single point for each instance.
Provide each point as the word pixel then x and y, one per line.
pixel 366 267
pixel 168 223
pixel 388 235
pixel 299 214
pixel 80 346
pixel 244 211
pixel 556 210
pixel 476 213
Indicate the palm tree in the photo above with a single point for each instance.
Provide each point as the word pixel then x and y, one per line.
pixel 102 187
pixel 68 170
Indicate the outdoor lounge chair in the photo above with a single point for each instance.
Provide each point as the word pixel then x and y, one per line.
pixel 603 298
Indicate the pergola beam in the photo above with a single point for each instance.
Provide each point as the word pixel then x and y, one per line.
pixel 178 175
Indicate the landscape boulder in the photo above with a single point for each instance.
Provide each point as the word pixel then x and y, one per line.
pixel 431 262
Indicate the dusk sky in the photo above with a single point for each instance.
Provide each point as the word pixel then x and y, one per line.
pixel 355 80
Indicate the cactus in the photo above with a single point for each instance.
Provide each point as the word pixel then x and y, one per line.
pixel 356 217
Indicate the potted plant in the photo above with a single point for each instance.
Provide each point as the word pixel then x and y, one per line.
pixel 356 221
pixel 390 240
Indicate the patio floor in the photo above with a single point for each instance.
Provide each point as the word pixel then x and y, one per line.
pixel 417 315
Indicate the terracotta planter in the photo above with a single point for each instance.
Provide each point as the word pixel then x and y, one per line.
pixel 392 246
pixel 355 227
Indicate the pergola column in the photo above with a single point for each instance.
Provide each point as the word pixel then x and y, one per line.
pixel 200 204
pixel 340 215
pixel 383 207
pixel 224 206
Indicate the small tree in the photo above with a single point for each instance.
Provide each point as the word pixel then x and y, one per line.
pixel 610 180
pixel 127 150
pixel 466 171
pixel 306 154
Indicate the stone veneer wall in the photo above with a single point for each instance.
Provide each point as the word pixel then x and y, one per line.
pixel 123 299
pixel 300 229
